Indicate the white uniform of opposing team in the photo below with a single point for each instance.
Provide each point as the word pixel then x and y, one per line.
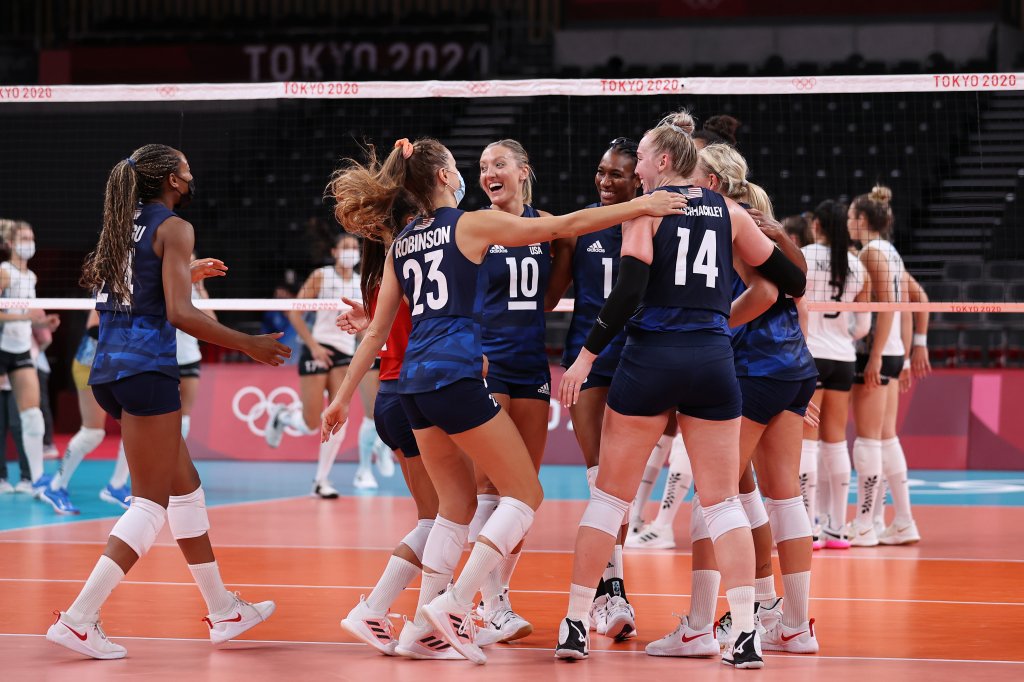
pixel 17 335
pixel 897 271
pixel 828 334
pixel 325 331
pixel 188 346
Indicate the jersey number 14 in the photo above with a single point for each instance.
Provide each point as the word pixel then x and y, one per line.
pixel 703 264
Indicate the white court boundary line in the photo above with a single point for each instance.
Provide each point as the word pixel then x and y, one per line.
pixel 521 649
pixel 666 595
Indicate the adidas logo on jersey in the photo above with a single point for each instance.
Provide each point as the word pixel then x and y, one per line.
pixel 498 248
pixel 595 248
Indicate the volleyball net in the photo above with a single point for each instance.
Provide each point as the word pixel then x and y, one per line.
pixel 950 147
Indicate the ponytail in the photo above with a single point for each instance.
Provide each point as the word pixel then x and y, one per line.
pixel 831 217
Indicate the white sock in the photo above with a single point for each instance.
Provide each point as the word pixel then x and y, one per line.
pixel 367 439
pixel 497 580
pixel 764 588
pixel 741 605
pixel 186 426
pixel 839 481
pixel 32 430
pixel 879 513
pixel 809 477
pixel 292 417
pixel 396 577
pixel 207 577
pixel 894 464
pixel 867 458
pixel 680 476
pixel 120 476
pixel 431 586
pixel 328 453
pixel 704 596
pixel 824 494
pixel 798 591
pixel 482 560
pixel 508 566
pixel 614 567
pixel 651 472
pixel 580 599
pixel 102 581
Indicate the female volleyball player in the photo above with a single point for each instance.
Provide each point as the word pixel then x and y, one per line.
pixel 876 389
pixel 322 365
pixel 17 281
pixel 677 357
pixel 142 273
pixel 436 265
pixel 833 274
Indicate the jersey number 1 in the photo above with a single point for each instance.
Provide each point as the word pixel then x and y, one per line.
pixel 411 268
pixel 704 263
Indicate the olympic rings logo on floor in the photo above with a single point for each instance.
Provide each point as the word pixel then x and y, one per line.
pixel 254 416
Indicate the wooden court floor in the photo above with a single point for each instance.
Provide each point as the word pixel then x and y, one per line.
pixel 949 608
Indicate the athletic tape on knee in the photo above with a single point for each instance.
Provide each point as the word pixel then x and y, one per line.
pixel 753 507
pixel 604 512
pixel 894 462
pixel 140 524
pixel 444 546
pixel 186 426
pixel 509 524
pixel 698 525
pixel 808 456
pixel 788 518
pixel 32 424
pixel 725 516
pixel 485 506
pixel 186 515
pixel 87 440
pixel 416 540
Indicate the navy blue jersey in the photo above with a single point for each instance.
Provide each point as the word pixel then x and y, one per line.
pixel 690 283
pixel 444 290
pixel 595 267
pixel 512 315
pixel 773 344
pixel 136 337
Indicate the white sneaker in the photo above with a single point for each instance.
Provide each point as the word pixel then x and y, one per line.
pixel 652 537
pixel 364 479
pixel 5 487
pixel 454 622
pixel 685 641
pixel 635 526
pixel 878 523
pixel 800 640
pixel 383 459
pixel 424 643
pixel 324 490
pixel 86 638
pixel 599 614
pixel 502 624
pixel 862 537
pixel 51 452
pixel 898 534
pixel 24 487
pixel 242 616
pixel 372 628
pixel 768 614
pixel 621 619
pixel 274 431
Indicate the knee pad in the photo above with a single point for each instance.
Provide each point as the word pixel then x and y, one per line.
pixel 444 546
pixel 32 424
pixel 753 507
pixel 416 540
pixel 605 512
pixel 186 515
pixel 88 439
pixel 867 456
pixel 485 506
pixel 894 462
pixel 186 426
pixel 788 518
pixel 140 524
pixel 698 525
pixel 509 524
pixel 835 458
pixel 725 516
pixel 591 477
pixel 808 456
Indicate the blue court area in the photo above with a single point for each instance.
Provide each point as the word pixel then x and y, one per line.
pixel 232 482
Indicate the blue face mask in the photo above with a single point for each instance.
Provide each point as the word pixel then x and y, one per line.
pixel 460 192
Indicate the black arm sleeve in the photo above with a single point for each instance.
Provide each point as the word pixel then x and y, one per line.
pixel 622 302
pixel 784 274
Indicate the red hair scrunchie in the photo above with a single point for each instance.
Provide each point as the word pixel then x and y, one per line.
pixel 405 146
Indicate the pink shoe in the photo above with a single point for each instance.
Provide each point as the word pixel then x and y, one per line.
pixel 835 539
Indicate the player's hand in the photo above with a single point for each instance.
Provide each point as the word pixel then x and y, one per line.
pixel 574 378
pixel 37 316
pixel 873 372
pixel 662 203
pixel 906 380
pixel 52 322
pixel 770 227
pixel 321 355
pixel 812 417
pixel 355 319
pixel 203 268
pixel 334 418
pixel 920 363
pixel 267 349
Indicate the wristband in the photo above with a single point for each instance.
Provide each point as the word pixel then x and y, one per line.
pixel 921 340
pixel 906 363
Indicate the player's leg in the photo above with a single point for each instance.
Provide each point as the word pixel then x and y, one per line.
pixel 25 383
pixel 835 465
pixel 189 391
pixel 868 413
pixel 89 437
pixel 903 530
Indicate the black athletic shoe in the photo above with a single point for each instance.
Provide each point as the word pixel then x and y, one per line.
pixel 573 640
pixel 745 652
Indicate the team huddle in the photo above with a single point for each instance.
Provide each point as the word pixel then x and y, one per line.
pixel 689 316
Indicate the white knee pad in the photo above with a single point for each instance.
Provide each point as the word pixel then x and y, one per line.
pixel 894 462
pixel 32 425
pixel 835 458
pixel 698 525
pixel 591 477
pixel 186 515
pixel 186 426
pixel 485 506
pixel 88 439
pixel 509 524
pixel 725 516
pixel 444 546
pixel 140 524
pixel 605 512
pixel 753 507
pixel 867 456
pixel 788 518
pixel 416 540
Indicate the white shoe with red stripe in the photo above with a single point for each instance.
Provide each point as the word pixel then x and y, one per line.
pixel 372 628
pixel 86 638
pixel 242 616
pixel 685 641
pixel 798 640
